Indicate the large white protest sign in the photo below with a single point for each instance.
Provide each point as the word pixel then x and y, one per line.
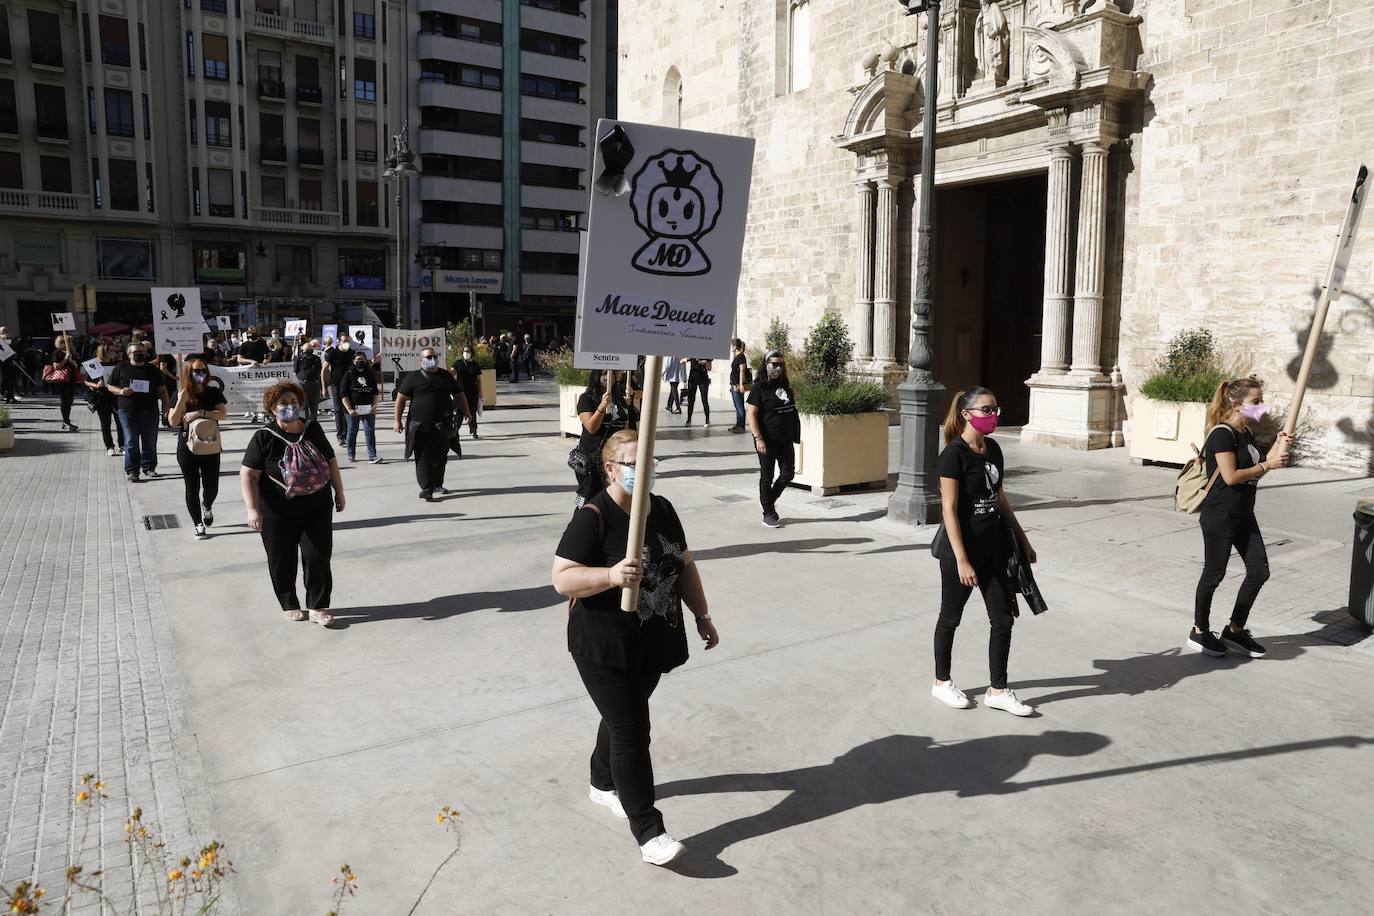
pixel 663 260
pixel 63 321
pixel 94 369
pixel 224 322
pixel 401 348
pixel 6 351
pixel 361 335
pixel 581 358
pixel 295 327
pixel 243 386
pixel 178 325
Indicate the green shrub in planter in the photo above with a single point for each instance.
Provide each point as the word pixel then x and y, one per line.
pixel 835 399
pixel 4 417
pixel 828 349
pixel 560 364
pixel 1189 371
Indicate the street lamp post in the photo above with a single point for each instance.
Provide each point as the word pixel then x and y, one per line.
pixel 400 165
pixel 916 501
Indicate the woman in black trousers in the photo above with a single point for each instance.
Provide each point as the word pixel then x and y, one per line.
pixel 698 384
pixel 63 372
pixel 1228 520
pixel 104 402
pixel 621 656
pixel 292 525
pixel 771 414
pixel 196 401
pixel 979 524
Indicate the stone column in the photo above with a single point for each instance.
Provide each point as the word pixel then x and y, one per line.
pixel 1054 340
pixel 863 304
pixel 884 275
pixel 1091 266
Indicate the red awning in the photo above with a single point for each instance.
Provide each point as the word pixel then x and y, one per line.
pixel 108 328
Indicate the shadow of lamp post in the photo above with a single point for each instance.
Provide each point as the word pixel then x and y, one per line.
pixel 916 501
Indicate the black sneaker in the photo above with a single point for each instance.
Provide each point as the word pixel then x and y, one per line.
pixel 133 476
pixel 1206 643
pixel 771 520
pixel 1242 643
pixel 426 495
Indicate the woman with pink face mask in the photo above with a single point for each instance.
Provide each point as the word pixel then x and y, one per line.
pixel 976 546
pixel 1234 468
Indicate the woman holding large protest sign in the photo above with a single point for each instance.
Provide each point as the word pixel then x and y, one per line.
pixel 288 472
pixel 621 656
pixel 196 417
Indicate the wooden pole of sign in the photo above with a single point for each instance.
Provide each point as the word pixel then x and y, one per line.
pixel 644 459
pixel 1335 280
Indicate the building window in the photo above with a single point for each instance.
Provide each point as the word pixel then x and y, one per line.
pixel 147 119
pixel 365 80
pixel 142 49
pixel 56 173
pixel 148 183
pixel 221 183
pixel 222 262
pixel 124 185
pixel 273 191
pixel 272 134
pixel 295 261
pixel 364 19
pixel 6 51
pixel 571 7
pixel 269 66
pixel 548 262
pixel 50 106
pixel 268 6
pixel 195 191
pixel 362 269
pixel 190 53
pixel 11 171
pixel 45 38
pixel 97 188
pixel 461 214
pixel 343 139
pixel 368 212
pixel 114 41
pixel 9 105
pixel 193 119
pixel 550 176
pixel 119 113
pixel 549 43
pixel 308 133
pixel 798 45
pixel 308 10
pixel 243 131
pixel 215 6
pixel 548 220
pixel 465 167
pixel 125 259
pixel 365 141
pixel 216 50
pixel 311 193
pixel 546 87
pixel 217 132
pixel 550 132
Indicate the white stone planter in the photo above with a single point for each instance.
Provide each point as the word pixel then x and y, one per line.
pixel 843 451
pixel 6 438
pixel 487 388
pixel 1166 431
pixel 568 423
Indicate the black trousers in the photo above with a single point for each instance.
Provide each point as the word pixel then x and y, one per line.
pixel 340 415
pixel 782 457
pixel 311 536
pixel 200 476
pixel 998 597
pixel 621 760
pixel 105 410
pixel 311 408
pixel 1221 532
pixel 67 394
pixel 9 376
pixel 674 399
pixel 692 389
pixel 430 447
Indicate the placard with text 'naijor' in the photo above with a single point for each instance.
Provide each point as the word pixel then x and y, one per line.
pixel 663 258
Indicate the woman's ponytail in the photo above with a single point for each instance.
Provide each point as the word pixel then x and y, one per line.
pixel 964 400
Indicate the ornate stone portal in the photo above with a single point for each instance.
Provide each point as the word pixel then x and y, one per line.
pixel 1027 87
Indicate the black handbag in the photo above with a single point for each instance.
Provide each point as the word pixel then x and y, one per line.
pixel 1022 579
pixel 939 545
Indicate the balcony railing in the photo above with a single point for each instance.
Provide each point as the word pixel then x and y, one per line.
pixel 304 220
pixel 313 157
pixel 286 27
pixel 44 202
pixel 310 95
pixel 46 56
pixel 271 89
pixel 274 153
pixel 51 130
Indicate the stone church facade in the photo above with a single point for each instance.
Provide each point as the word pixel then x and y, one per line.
pixel 1108 174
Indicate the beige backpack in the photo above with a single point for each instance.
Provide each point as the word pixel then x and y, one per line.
pixel 202 437
pixel 1193 485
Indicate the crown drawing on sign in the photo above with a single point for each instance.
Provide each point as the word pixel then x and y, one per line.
pixel 678 176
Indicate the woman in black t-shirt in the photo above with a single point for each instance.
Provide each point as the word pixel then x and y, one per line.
pixel 196 400
pixel 621 656
pixel 291 525
pixel 740 382
pixel 1228 513
pixel 979 524
pixel 104 403
pixel 603 410
pixel 698 382
pixel 773 421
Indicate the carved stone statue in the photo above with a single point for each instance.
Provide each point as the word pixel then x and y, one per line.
pixel 994 42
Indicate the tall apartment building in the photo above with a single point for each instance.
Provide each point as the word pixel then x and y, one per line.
pixel 507 93
pixel 230 144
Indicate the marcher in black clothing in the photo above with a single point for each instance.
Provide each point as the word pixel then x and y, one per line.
pixel 63 372
pixel 198 405
pixel 104 402
pixel 771 413
pixel 469 376
pixel 359 393
pixel 620 656
pixel 9 369
pixel 336 364
pixel 978 524
pixel 604 411
pixel 138 388
pixel 293 525
pixel 309 370
pixel 672 374
pixel 698 383
pixel 254 350
pixel 1227 518
pixel 433 397
pixel 741 381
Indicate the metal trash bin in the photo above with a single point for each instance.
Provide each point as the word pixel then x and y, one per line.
pixel 1362 565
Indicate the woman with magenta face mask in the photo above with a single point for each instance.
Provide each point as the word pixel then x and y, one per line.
pixel 976 515
pixel 1234 468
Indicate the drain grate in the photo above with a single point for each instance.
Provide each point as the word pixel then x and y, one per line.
pixel 732 498
pixel 159 522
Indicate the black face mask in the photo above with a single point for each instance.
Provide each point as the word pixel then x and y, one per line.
pixel 359 364
pixel 199 377
pixel 136 357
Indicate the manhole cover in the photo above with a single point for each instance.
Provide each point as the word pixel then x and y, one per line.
pixel 159 522
pixel 732 498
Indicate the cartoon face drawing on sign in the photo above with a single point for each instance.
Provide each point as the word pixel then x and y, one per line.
pixel 676 198
pixel 178 304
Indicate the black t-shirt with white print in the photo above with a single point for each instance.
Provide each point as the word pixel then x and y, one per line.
pixel 598 630
pixel 777 411
pixel 980 481
pixel 1221 497
pixel 617 417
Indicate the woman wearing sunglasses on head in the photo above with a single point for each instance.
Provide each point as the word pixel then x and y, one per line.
pixel 976 516
pixel 771 413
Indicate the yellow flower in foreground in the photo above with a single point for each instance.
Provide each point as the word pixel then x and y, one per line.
pixel 82 797
pixel 174 875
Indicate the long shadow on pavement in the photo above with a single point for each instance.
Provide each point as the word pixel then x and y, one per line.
pixel 812 545
pixel 393 520
pixel 534 598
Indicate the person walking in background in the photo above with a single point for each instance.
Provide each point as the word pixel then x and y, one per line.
pixel 292 487
pixel 517 359
pixel 432 396
pixel 469 376
pixel 1234 468
pixel 62 372
pixel 528 352
pixel 9 369
pixel 103 401
pixel 771 413
pixel 603 411
pixel 621 657
pixel 196 416
pixel 359 393
pixel 339 361
pixel 698 384
pixel 741 378
pixel 139 390
pixel 979 525
pixel 254 350
pixel 672 374
pixel 309 369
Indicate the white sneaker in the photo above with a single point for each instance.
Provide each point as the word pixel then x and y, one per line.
pixel 200 533
pixel 206 515
pixel 608 799
pixel 1007 700
pixel 661 850
pixel 951 696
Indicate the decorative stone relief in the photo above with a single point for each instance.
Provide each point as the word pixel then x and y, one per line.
pixel 1050 55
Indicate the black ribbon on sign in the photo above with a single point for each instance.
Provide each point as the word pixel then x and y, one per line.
pixel 617 152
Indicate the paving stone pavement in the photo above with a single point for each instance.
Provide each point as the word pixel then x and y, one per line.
pixel 87 670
